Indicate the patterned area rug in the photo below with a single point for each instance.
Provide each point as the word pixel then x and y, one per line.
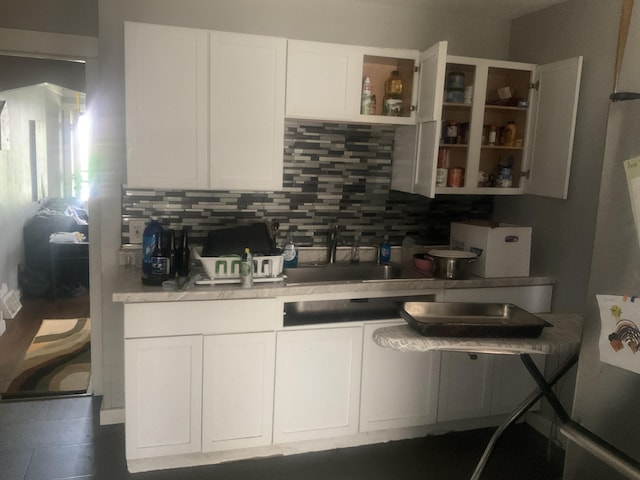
pixel 58 361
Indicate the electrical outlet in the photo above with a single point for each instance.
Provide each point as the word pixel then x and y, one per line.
pixel 136 229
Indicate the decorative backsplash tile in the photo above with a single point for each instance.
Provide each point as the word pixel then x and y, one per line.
pixel 333 173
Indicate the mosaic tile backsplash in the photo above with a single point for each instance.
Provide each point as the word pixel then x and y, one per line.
pixel 333 173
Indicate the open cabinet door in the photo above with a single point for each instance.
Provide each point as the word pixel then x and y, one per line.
pixel 552 127
pixel 432 64
pixel 416 147
pixel 426 166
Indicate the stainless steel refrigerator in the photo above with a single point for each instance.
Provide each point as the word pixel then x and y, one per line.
pixel 607 398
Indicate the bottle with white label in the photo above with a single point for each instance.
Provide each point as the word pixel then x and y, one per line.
pixel 246 269
pixel 443 168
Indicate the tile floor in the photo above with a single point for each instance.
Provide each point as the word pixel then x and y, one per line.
pixel 61 439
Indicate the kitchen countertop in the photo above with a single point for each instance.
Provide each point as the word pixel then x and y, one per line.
pixel 131 290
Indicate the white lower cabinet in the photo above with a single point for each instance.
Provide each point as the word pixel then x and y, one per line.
pixel 230 379
pixel 481 385
pixel 163 384
pixel 317 383
pixel 465 386
pixel 512 383
pixel 237 405
pixel 399 389
pixel 195 393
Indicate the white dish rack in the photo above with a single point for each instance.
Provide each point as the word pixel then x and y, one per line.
pixel 268 268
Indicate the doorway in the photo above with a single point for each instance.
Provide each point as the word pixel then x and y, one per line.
pixel 44 153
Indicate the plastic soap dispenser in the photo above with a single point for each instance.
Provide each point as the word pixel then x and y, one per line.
pixel 246 269
pixel 385 250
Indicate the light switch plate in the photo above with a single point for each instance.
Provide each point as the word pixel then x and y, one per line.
pixel 136 229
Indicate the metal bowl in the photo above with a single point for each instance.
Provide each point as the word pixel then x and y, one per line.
pixel 452 264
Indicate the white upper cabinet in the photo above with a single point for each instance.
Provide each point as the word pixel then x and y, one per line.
pixel 325 82
pixel 204 109
pixel 246 131
pixel 432 66
pixel 553 128
pixel 166 106
pixel 416 146
pixel 509 127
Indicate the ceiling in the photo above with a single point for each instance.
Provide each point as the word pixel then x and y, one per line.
pixel 504 9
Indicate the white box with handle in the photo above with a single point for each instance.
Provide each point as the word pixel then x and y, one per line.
pixel 503 249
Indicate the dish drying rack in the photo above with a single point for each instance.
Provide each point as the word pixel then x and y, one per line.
pixel 226 270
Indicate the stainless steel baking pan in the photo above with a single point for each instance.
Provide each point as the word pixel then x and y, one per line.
pixel 462 319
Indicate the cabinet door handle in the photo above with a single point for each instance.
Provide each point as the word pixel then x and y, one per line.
pixel 511 238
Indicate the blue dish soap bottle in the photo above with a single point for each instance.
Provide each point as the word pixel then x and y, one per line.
pixel 385 250
pixel 290 253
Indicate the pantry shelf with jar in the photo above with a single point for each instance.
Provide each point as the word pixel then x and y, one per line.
pixel 507 127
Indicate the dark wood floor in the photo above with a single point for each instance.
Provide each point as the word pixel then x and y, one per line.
pixel 62 439
pixel 22 329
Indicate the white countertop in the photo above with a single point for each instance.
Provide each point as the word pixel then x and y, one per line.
pixel 130 288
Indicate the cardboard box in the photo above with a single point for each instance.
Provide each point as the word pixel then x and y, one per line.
pixel 503 250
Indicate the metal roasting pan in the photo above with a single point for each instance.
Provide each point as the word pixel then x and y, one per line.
pixel 471 320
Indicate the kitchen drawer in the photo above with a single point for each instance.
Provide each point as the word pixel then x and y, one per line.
pixel 159 319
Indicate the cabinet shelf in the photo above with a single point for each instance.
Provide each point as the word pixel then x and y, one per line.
pixel 454 145
pixel 501 147
pixel 505 107
pixel 464 106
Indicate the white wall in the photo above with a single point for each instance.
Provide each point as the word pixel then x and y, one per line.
pixel 16 204
pixel 338 21
pixel 359 22
pixel 563 230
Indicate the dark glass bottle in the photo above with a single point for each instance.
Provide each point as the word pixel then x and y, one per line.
pixel 183 256
pixel 171 251
pixel 160 260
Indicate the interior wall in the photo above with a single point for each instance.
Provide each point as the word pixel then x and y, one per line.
pixel 355 22
pixel 337 21
pixel 16 203
pixel 563 230
pixel 76 17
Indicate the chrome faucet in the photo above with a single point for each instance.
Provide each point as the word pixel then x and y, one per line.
pixel 332 244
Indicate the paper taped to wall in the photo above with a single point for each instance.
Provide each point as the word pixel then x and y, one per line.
pixel 619 332
pixel 632 169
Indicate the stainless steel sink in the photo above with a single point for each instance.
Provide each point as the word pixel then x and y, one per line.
pixel 347 272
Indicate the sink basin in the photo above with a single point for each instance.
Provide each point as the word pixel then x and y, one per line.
pixel 347 272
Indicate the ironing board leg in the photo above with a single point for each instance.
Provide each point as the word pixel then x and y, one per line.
pixel 544 389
